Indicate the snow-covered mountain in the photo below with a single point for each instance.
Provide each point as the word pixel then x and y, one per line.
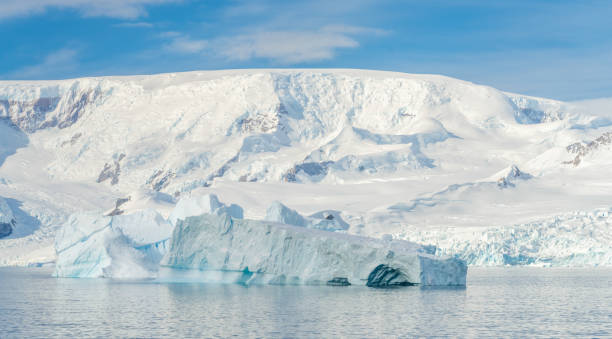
pixel 420 157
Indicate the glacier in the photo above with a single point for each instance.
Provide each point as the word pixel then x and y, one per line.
pixel 570 239
pixel 259 252
pixel 421 157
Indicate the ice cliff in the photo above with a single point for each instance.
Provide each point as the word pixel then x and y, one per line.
pixel 261 252
pixel 569 239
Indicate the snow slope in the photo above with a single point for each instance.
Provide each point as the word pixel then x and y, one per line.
pixel 389 153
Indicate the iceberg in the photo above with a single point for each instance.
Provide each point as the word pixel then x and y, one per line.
pixel 125 246
pixel 211 241
pixel 208 203
pixel 324 220
pixel 122 246
pixel 222 248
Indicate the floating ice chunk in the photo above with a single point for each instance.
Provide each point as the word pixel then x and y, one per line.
pixel 324 220
pixel 208 203
pixel 234 250
pixel 122 246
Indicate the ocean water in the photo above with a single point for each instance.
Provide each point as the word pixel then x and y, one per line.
pixel 497 302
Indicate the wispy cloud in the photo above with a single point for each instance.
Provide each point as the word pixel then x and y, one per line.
pixel 283 47
pixel 56 63
pixel 286 47
pixel 180 43
pixel 140 24
pixel 126 9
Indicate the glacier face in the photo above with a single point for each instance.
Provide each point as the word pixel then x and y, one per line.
pixel 388 153
pixel 572 239
pixel 260 252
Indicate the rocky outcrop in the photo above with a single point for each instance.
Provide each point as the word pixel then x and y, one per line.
pixel 30 115
pixel 513 175
pixel 73 140
pixel 160 179
pixel 311 169
pixel 118 203
pixel 581 149
pixel 111 171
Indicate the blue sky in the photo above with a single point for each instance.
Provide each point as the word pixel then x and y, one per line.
pixel 558 49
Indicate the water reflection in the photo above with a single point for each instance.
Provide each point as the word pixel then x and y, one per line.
pixel 497 302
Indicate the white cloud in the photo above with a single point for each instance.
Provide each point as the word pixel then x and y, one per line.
pixel 126 9
pixel 286 47
pixel 348 29
pixel 183 44
pixel 59 62
pixel 140 24
pixel 283 47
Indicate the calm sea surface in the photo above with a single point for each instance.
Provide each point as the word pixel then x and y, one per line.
pixel 498 302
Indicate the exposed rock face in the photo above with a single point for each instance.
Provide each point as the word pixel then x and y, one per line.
pixel 384 276
pixel 44 112
pixel 513 174
pixel 530 111
pixel 72 140
pixel 581 149
pixel 160 179
pixel 28 115
pixel 310 168
pixel 118 203
pixel 111 171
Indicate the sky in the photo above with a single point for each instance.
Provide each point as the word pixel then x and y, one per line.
pixel 556 49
